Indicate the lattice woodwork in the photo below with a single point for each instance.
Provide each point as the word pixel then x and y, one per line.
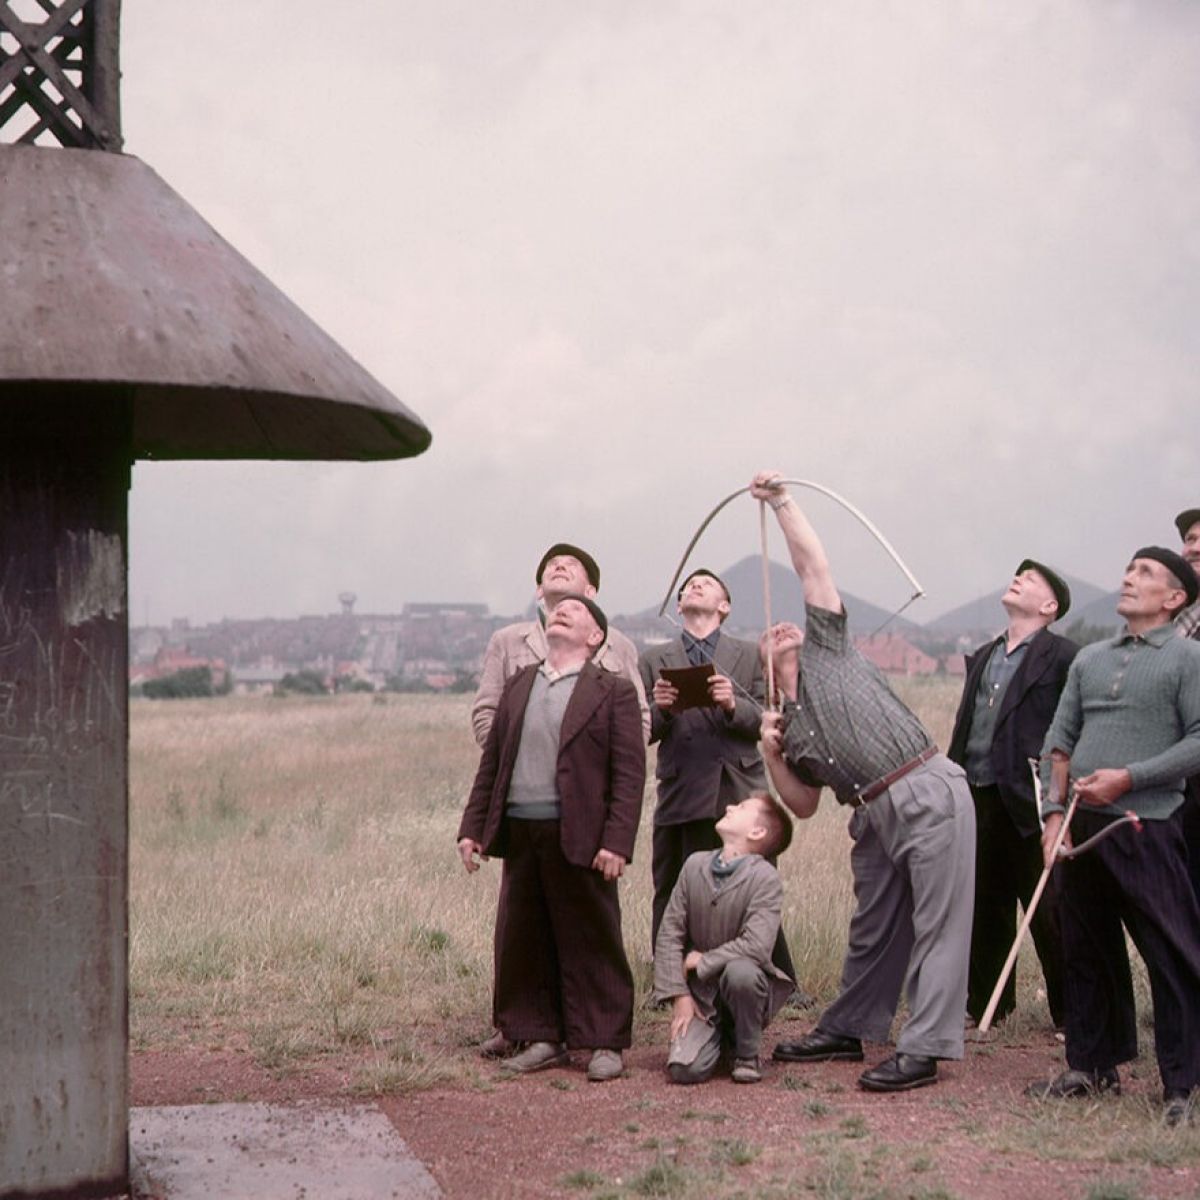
pixel 60 73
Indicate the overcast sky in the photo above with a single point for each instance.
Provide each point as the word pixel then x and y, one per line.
pixel 939 257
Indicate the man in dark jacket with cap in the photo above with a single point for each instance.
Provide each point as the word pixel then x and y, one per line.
pixel 1011 691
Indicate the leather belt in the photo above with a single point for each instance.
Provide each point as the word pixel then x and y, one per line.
pixel 876 789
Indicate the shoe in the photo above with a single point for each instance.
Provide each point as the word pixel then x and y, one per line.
pixel 819 1046
pixel 605 1065
pixel 537 1056
pixel 498 1046
pixel 746 1070
pixel 900 1073
pixel 1177 1108
pixel 1076 1084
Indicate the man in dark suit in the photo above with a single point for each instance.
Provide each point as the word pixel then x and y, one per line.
pixel 1012 688
pixel 707 755
pixel 558 795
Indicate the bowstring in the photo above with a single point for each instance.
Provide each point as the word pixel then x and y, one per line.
pixel 918 590
pixel 766 580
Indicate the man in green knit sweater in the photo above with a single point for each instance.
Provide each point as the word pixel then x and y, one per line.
pixel 1126 735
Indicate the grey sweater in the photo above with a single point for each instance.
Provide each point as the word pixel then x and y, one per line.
pixel 1133 702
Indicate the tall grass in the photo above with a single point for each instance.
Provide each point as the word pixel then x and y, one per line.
pixel 295 885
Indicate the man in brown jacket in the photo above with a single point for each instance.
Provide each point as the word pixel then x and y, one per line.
pixel 557 795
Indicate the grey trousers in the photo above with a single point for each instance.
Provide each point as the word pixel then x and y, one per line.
pixel 914 880
pixel 742 998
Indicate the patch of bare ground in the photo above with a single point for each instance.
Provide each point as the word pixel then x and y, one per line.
pixel 805 1130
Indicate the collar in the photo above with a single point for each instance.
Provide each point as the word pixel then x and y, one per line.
pixel 1022 643
pixel 554 676
pixel 707 645
pixel 722 869
pixel 1158 636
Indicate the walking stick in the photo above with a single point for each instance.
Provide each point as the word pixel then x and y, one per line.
pixel 986 1023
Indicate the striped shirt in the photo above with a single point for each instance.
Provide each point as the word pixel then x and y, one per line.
pixel 847 728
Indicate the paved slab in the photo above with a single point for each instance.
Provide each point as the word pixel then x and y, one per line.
pixel 272 1152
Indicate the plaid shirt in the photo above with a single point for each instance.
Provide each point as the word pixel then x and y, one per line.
pixel 1188 622
pixel 846 728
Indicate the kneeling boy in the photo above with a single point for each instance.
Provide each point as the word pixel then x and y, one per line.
pixel 712 959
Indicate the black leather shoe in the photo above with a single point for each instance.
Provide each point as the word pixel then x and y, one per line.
pixel 900 1073
pixel 1076 1085
pixel 819 1046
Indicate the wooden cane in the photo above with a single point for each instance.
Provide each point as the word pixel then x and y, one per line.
pixel 1030 909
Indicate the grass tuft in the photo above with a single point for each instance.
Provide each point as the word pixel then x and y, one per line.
pixel 1113 1190
pixel 732 1152
pixel 584 1180
pixel 664 1178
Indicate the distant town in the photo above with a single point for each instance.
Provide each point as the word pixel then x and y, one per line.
pixel 439 647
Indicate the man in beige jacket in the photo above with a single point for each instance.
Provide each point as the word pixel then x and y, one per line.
pixel 564 570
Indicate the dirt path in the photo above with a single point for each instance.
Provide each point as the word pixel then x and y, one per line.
pixel 805 1130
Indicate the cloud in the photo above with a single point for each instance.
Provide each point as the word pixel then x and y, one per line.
pixel 941 257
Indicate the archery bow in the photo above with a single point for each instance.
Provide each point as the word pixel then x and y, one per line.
pixel 918 590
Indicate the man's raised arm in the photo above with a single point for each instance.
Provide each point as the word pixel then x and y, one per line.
pixel 805 548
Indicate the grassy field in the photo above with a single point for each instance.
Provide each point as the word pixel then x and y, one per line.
pixel 296 895
pixel 295 884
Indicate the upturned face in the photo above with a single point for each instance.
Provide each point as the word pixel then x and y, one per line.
pixel 1029 594
pixel 564 573
pixel 703 594
pixel 782 639
pixel 1148 589
pixel 741 819
pixel 571 625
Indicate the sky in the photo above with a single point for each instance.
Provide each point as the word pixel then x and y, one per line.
pixel 938 257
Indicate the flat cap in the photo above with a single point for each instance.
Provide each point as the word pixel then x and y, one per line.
pixel 1058 585
pixel 1177 565
pixel 585 560
pixel 1186 520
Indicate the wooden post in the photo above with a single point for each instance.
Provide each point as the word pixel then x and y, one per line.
pixel 129 328
pixel 64 477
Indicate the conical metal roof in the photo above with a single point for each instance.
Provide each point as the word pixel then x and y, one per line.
pixel 108 277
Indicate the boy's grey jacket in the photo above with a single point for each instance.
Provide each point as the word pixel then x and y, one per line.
pixel 737 919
